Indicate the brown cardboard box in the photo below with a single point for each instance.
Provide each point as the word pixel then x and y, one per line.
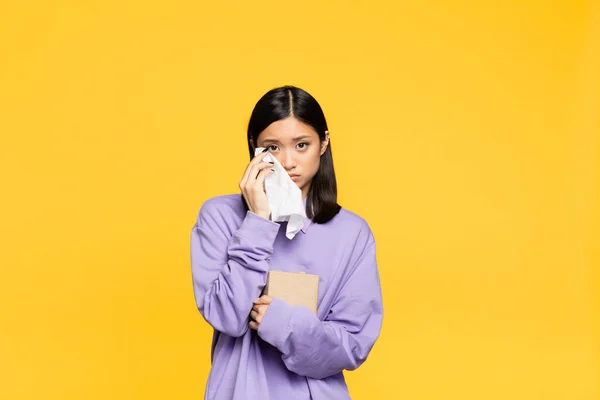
pixel 296 288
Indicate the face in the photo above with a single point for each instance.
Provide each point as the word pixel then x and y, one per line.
pixel 297 147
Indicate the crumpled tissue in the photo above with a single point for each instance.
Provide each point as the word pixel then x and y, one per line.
pixel 284 197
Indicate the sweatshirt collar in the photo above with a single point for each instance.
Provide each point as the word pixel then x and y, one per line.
pixel 308 222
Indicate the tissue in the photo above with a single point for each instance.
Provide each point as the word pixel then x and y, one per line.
pixel 284 197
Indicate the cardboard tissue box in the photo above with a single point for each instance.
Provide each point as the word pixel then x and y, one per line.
pixel 295 288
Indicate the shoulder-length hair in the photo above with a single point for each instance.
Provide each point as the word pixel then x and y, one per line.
pixel 290 101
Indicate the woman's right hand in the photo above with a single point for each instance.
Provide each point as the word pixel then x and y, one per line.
pixel 252 185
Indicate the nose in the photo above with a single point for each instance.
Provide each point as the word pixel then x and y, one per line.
pixel 287 160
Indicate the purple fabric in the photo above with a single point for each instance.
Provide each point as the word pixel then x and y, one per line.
pixel 294 354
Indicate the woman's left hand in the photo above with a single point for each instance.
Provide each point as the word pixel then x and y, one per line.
pixel 258 311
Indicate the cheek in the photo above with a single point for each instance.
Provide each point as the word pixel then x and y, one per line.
pixel 314 162
pixel 316 155
pixel 311 161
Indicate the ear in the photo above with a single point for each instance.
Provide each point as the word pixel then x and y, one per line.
pixel 252 144
pixel 325 143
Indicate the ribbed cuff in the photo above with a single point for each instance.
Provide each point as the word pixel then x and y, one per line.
pixel 255 225
pixel 274 327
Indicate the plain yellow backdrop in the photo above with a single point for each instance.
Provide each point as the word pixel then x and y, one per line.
pixel 465 132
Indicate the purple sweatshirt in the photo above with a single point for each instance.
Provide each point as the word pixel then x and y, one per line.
pixel 295 355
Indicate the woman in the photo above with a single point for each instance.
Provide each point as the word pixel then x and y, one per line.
pixel 264 348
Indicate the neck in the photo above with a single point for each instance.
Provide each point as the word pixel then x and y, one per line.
pixel 306 190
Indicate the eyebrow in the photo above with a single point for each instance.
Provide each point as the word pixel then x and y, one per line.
pixel 293 139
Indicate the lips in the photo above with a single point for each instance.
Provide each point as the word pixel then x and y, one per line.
pixel 294 177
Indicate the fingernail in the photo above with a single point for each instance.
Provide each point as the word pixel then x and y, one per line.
pixel 271 162
pixel 265 150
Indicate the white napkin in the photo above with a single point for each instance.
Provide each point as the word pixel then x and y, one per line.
pixel 284 196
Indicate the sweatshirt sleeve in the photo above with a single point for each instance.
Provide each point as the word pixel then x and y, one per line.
pixel 318 349
pixel 229 271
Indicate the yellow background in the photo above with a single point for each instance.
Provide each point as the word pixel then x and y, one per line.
pixel 465 132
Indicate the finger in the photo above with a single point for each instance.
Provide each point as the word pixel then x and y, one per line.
pixel 259 308
pixel 261 155
pixel 251 174
pixel 254 161
pixel 262 175
pixel 255 187
pixel 267 299
pixel 253 325
pixel 255 171
pixel 264 299
pixel 257 316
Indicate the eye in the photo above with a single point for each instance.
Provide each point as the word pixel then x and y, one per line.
pixel 272 147
pixel 302 145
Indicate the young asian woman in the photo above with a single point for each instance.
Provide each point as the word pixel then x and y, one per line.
pixel 262 347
